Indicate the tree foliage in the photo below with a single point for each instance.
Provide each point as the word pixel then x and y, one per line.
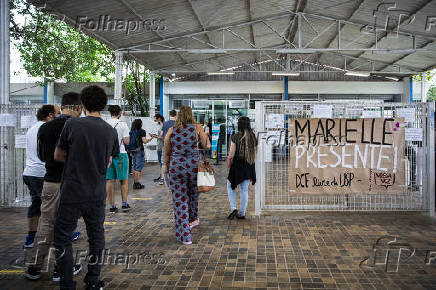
pixel 53 50
pixel 431 94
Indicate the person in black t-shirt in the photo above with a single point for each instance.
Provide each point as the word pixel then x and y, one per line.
pixel 48 134
pixel 87 146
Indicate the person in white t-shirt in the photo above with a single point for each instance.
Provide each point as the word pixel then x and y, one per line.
pixel 33 174
pixel 119 168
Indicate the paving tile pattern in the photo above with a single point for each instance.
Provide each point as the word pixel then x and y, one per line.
pixel 279 250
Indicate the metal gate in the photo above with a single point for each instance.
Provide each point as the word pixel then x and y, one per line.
pixel 13 160
pixel 272 165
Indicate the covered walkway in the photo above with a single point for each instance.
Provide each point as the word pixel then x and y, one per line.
pixel 288 251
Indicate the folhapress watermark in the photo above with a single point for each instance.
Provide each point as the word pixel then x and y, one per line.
pixel 388 253
pixel 104 258
pixel 107 23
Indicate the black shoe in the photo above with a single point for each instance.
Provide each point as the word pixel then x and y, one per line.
pixel 233 214
pixel 113 210
pixel 57 277
pixel 96 285
pixel 138 186
pixel 157 179
pixel 240 217
pixel 32 273
pixel 125 207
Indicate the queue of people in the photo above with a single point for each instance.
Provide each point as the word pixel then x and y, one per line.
pixel 72 165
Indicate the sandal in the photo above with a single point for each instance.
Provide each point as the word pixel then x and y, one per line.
pixel 194 224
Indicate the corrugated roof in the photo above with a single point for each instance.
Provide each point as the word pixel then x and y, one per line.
pixel 258 24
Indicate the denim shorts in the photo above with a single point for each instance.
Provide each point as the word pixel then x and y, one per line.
pixel 35 185
pixel 138 160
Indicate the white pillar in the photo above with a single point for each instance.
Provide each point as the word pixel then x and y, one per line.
pixel 423 87
pixel 4 52
pixel 152 95
pixel 118 75
pixel 50 93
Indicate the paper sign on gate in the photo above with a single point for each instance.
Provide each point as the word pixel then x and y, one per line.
pixel 20 141
pixel 414 134
pixel 407 113
pixel 346 156
pixel 322 111
pixel 27 121
pixel 371 114
pixel 274 121
pixel 7 120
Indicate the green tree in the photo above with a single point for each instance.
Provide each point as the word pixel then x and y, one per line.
pixel 431 94
pixel 54 50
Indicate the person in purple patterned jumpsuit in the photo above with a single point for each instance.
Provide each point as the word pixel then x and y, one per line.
pixel 181 161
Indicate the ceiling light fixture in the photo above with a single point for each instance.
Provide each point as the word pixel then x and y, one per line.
pixel 285 73
pixel 216 73
pixel 212 50
pixel 358 74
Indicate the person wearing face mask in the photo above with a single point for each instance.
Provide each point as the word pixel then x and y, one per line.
pixel 48 135
pixel 159 119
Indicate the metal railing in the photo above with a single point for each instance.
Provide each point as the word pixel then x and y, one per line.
pixel 273 191
pixel 12 159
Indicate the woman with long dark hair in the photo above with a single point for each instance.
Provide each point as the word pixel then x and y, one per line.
pixel 138 137
pixel 241 159
pixel 181 161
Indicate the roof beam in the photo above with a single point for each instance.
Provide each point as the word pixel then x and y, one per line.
pixel 385 33
pixel 299 7
pixel 202 24
pixel 340 27
pixel 132 10
pixel 406 55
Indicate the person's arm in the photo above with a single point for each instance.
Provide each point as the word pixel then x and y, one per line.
pixel 231 154
pixel 40 147
pixel 204 139
pixel 61 150
pixel 126 136
pixel 60 155
pixel 167 150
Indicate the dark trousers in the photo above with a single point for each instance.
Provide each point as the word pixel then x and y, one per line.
pixel 93 214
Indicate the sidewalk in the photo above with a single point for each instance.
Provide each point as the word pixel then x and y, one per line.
pixel 286 250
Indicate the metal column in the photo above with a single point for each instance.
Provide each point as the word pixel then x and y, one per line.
pixel 152 90
pixel 118 75
pixel 4 51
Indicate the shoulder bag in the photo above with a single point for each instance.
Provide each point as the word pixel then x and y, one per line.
pixel 205 175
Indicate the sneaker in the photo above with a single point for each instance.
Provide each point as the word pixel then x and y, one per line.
pixel 157 179
pixel 32 273
pixel 96 285
pixel 187 243
pixel 57 277
pixel 126 207
pixel 138 186
pixel 76 236
pixel 29 242
pixel 76 269
pixel 113 210
pixel 161 182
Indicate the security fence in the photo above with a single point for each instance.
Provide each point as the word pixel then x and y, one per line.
pixel 15 120
pixel 273 167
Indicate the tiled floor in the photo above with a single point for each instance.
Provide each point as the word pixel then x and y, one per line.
pixel 276 250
